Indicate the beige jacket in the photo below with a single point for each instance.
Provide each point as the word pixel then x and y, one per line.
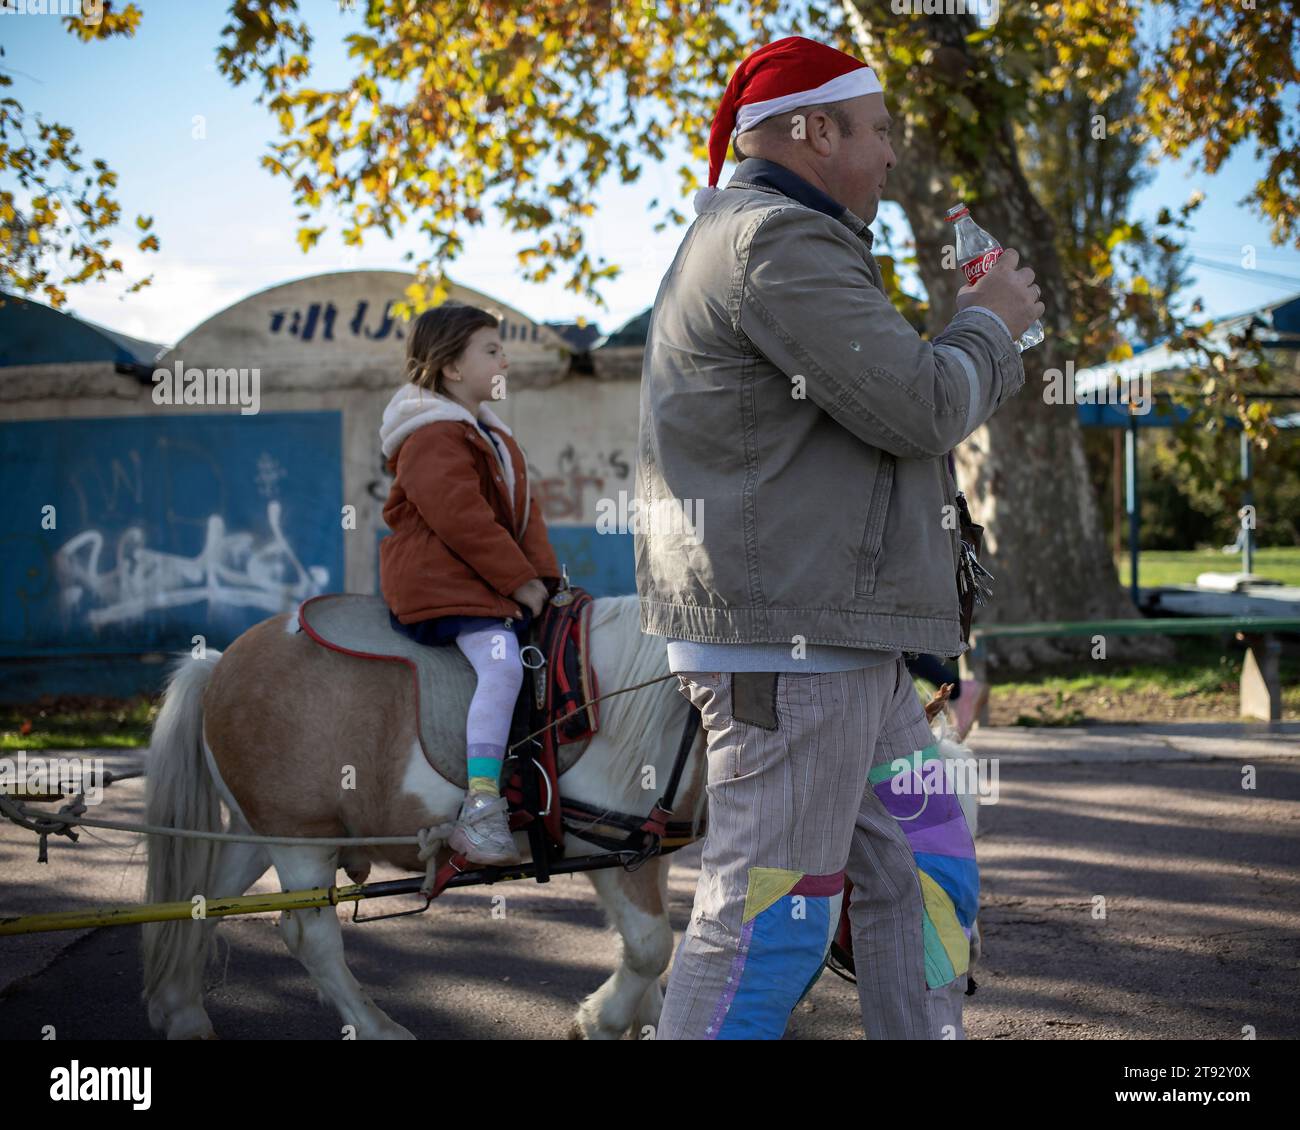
pixel 796 426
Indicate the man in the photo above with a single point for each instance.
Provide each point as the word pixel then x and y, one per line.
pixel 796 425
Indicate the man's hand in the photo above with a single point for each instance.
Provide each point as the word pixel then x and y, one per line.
pixel 532 594
pixel 1010 293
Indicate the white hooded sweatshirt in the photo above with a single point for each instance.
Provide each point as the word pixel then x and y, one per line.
pixel 412 407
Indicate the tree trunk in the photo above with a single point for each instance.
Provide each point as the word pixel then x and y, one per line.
pixel 1024 471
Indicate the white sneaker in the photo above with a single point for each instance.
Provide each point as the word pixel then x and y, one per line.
pixel 482 832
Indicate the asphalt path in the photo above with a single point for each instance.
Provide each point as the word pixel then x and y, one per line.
pixel 1132 888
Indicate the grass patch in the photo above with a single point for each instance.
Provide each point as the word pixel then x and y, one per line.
pixel 78 722
pixel 1200 668
pixel 1176 567
pixel 1201 683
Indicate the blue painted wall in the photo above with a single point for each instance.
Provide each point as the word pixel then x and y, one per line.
pixel 167 527
pixel 603 564
pixel 1162 415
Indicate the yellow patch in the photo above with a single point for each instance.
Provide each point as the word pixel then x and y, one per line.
pixel 944 919
pixel 766 885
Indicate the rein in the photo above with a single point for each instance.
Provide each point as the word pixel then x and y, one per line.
pixel 643 834
pixel 588 702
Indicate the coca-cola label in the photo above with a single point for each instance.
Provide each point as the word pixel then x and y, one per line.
pixel 978 267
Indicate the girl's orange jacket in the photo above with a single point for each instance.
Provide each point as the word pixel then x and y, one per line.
pixel 466 529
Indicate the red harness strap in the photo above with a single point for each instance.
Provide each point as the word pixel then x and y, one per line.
pixel 562 638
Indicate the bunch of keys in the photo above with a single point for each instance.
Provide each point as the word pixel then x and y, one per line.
pixel 973 574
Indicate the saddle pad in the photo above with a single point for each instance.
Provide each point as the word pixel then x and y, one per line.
pixel 357 625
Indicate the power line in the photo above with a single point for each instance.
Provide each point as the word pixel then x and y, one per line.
pixel 1214 247
pixel 1247 272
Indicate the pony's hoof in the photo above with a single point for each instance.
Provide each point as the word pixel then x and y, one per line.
pixel 190 1024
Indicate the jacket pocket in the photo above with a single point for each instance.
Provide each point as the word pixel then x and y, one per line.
pixel 873 534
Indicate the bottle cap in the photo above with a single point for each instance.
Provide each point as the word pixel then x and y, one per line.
pixel 956 212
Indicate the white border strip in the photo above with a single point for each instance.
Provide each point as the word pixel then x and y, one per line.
pixel 971 405
pixel 851 84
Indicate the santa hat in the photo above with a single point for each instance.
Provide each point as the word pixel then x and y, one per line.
pixel 782 76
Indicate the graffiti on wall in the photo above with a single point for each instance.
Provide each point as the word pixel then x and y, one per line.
pixel 603 564
pixel 318 321
pixel 166 526
pixel 581 478
pixel 230 569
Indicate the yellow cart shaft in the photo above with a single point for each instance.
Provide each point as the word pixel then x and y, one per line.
pixel 180 911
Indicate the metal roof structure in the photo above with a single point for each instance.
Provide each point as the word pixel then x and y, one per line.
pixel 34 334
pixel 1277 329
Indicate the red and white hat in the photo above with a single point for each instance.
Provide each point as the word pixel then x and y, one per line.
pixel 784 75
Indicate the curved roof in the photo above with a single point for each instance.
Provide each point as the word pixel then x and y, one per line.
pixel 344 318
pixel 32 334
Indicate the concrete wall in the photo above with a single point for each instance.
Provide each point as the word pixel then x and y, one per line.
pixel 580 437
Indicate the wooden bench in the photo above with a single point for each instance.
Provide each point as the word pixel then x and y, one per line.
pixel 1261 690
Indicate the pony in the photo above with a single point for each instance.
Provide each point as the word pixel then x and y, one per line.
pixel 266 731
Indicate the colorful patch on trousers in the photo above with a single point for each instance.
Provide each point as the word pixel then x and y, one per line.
pixel 941 843
pixel 786 930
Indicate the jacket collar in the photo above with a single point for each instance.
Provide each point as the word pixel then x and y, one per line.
pixel 768 176
pixel 412 407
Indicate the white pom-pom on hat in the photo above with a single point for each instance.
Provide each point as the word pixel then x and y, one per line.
pixel 702 198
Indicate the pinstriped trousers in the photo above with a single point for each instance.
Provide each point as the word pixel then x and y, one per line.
pixel 790 814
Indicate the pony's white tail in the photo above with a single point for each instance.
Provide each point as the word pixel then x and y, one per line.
pixel 179 793
pixel 952 749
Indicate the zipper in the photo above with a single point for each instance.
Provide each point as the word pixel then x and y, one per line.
pixel 528 492
pixel 501 463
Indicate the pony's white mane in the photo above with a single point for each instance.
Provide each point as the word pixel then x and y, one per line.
pixel 622 656
pixel 951 748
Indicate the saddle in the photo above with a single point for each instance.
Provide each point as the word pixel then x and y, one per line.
pixel 357 624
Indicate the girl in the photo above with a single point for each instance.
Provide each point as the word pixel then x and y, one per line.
pixel 469 555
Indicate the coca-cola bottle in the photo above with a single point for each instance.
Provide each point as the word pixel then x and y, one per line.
pixel 977 251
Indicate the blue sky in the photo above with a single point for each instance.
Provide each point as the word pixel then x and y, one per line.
pixel 227 226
